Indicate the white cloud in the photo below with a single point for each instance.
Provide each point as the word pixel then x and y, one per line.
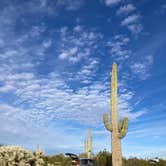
pixel 133 24
pixel 77 28
pixel 75 59
pixel 50 99
pixel 8 54
pixel 135 28
pixel 126 9
pixel 68 54
pixel 85 75
pixel 73 50
pixel 111 2
pixel 141 68
pixel 125 109
pixel 82 43
pixel 63 55
pixel 117 47
pixel 37 30
pixel 130 20
pixel 47 43
pixel 6 88
pixel 16 122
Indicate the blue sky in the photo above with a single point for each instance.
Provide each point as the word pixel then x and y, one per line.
pixel 55 64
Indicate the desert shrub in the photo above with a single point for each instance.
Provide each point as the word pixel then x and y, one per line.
pixel 104 158
pixel 142 162
pixel 56 160
pixel 135 161
pixel 17 156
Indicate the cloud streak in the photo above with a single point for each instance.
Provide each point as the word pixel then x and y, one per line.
pixel 111 2
pixel 130 19
pixel 126 9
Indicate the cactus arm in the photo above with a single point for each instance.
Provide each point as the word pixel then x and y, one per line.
pixel 107 124
pixel 123 128
pixel 120 125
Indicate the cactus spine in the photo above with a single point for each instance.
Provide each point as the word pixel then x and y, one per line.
pixel 88 145
pixel 118 131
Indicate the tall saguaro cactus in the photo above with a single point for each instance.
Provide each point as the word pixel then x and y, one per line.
pixel 118 130
pixel 88 145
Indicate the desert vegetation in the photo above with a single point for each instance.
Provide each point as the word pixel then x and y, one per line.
pixel 103 158
pixel 18 156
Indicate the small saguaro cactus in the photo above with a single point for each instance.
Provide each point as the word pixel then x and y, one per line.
pixel 88 145
pixel 118 130
pixel 38 154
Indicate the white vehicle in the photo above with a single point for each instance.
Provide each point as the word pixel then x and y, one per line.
pixel 154 160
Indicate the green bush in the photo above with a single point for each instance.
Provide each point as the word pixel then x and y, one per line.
pixel 104 158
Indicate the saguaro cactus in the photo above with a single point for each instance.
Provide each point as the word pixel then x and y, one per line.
pixel 38 154
pixel 88 145
pixel 118 131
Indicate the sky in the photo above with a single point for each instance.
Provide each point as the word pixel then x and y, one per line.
pixel 55 64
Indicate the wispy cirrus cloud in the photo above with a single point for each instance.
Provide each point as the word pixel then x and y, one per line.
pixel 126 9
pixel 130 20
